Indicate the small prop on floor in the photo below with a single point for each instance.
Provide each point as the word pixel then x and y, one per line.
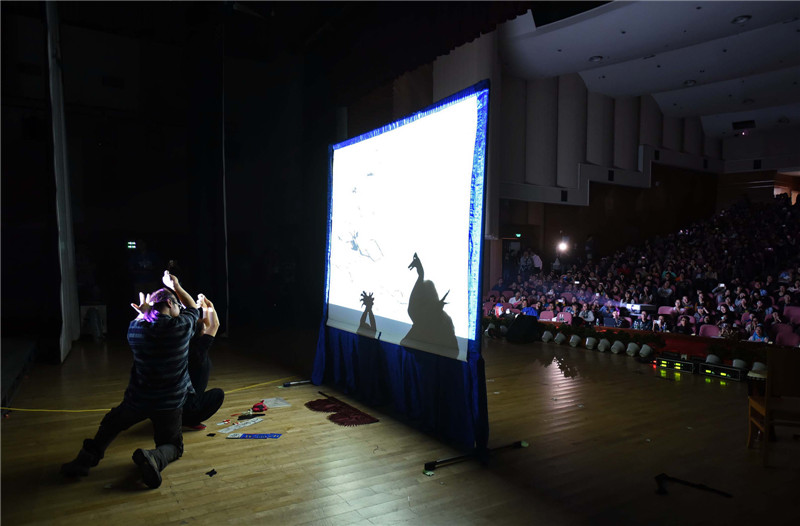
pixel 195 427
pixel 211 473
pixel 248 415
pixel 299 382
pixel 211 435
pixel 254 435
pixel 272 403
pixel 240 425
pixel 663 478
pixel 343 413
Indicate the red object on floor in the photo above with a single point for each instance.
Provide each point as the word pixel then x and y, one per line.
pixel 197 427
pixel 343 413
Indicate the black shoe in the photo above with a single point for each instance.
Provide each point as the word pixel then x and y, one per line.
pixel 148 466
pixel 80 466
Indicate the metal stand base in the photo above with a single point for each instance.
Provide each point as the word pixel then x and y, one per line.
pixel 481 455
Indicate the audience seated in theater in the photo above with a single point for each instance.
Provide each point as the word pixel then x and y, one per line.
pixel 499 286
pixel 773 319
pixel 665 294
pixel 619 321
pixel 722 260
pixel 586 315
pixel 527 310
pixel 683 326
pixel 759 335
pixel 661 324
pixel 643 322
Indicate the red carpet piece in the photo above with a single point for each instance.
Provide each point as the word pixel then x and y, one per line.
pixel 343 414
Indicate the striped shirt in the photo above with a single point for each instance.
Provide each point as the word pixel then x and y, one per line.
pixel 159 376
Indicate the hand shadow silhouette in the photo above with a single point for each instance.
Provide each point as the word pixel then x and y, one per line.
pixel 367 328
pixel 429 321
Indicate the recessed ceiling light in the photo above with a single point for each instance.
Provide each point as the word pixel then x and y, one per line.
pixel 596 58
pixel 741 19
pixel 690 82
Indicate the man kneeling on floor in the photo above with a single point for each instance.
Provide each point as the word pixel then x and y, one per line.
pixel 159 384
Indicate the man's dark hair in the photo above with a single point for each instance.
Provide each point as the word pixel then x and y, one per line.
pixel 160 297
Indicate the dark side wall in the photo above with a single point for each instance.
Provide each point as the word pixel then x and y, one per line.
pixel 618 216
pixel 147 119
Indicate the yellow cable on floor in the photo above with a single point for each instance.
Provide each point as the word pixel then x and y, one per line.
pixel 109 409
pixel 258 385
pixel 55 410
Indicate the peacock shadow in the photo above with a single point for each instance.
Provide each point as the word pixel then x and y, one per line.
pixel 430 323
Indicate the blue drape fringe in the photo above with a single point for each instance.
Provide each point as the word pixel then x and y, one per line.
pixel 437 395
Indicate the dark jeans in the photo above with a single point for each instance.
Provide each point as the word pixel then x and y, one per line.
pixel 166 432
pixel 200 407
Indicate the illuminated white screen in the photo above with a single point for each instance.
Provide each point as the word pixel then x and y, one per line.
pixel 410 189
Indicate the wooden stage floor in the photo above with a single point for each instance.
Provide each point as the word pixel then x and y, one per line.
pixel 600 428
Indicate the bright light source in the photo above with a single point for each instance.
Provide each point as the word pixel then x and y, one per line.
pixel 132 245
pixel 518 235
pixel 562 247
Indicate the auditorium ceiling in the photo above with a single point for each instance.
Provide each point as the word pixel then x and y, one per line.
pixel 726 62
pixel 723 61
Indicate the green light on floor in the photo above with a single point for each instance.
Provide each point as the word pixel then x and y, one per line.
pixel 723 383
pixel 708 380
pixel 708 371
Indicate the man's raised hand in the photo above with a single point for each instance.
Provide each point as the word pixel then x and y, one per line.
pixel 144 305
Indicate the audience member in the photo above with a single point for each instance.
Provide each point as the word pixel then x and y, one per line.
pixel 715 270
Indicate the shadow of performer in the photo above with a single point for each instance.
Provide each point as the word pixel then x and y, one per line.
pixel 430 323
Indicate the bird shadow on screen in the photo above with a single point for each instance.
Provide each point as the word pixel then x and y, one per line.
pixel 430 323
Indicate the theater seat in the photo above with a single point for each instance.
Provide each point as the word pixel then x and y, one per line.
pixel 792 313
pixel 777 328
pixel 709 331
pixel 789 339
pixel 565 317
pixel 780 404
pixel 546 315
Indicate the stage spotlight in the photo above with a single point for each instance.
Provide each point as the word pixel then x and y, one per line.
pixel 574 340
pixel 604 345
pixel 591 343
pixel 562 247
pixel 547 337
pixel 560 338
pixel 618 347
pixel 632 349
pixel 713 359
pixel 739 363
pixel 645 351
